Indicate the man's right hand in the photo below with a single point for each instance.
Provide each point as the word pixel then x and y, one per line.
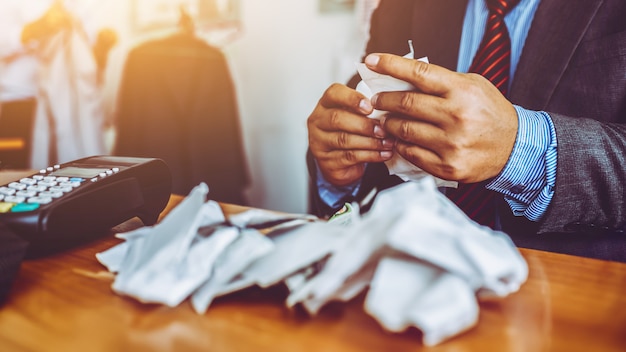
pixel 343 139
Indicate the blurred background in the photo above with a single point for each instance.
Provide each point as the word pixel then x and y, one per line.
pixel 276 57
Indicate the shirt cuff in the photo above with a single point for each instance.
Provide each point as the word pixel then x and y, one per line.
pixel 332 195
pixel 527 181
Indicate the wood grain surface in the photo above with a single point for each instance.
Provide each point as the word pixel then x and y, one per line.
pixel 65 303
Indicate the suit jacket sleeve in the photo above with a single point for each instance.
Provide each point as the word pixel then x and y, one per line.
pixel 591 176
pixel 573 66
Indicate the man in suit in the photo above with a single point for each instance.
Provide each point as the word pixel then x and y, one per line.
pixel 553 149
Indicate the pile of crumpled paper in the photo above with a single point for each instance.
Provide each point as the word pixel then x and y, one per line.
pixel 422 262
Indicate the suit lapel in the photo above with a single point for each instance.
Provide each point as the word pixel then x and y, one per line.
pixel 436 30
pixel 556 31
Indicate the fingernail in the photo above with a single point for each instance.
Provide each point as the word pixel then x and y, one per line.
pixel 379 132
pixel 365 106
pixel 372 59
pixel 389 143
pixel 383 119
pixel 386 154
pixel 374 99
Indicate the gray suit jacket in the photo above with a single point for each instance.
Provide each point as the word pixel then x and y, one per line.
pixel 573 66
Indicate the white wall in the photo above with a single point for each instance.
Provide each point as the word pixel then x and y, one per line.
pixel 286 55
pixel 285 59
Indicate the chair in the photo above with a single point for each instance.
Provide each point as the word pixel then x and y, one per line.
pixel 16 124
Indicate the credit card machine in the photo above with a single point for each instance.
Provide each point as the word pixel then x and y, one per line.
pixel 69 204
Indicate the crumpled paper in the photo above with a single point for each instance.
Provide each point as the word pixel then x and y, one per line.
pixel 174 259
pixel 372 83
pixel 422 261
pixel 425 263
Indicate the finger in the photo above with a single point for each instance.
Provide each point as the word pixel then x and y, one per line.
pixel 340 159
pixel 413 105
pixel 341 96
pixel 345 167
pixel 348 141
pixel 424 158
pixel 428 78
pixel 334 120
pixel 423 134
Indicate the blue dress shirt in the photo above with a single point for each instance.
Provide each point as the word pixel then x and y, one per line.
pixel 527 181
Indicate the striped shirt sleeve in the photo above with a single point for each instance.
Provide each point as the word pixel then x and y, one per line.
pixel 332 195
pixel 527 181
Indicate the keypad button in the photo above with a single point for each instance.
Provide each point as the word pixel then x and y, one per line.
pixel 60 189
pixel 69 184
pixel 37 188
pixel 26 194
pixel 38 177
pixel 50 178
pixel 14 199
pixel 55 194
pixel 7 191
pixel 5 207
pixel 40 200
pixel 28 181
pixel 62 179
pixel 24 207
pixel 47 183
pixel 17 186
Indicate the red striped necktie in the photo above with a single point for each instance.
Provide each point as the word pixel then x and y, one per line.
pixel 492 61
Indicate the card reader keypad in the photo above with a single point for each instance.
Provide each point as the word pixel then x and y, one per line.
pixel 29 193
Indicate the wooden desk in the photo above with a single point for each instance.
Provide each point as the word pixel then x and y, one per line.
pixel 65 303
pixel 7 176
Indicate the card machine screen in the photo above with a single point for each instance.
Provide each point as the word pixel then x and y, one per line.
pixel 72 171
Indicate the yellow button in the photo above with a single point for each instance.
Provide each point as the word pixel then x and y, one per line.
pixel 6 207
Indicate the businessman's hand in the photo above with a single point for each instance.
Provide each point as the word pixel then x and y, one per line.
pixel 455 126
pixel 342 138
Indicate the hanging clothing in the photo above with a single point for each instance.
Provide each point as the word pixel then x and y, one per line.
pixel 19 69
pixel 177 102
pixel 69 120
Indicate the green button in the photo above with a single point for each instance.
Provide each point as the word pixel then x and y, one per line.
pixel 24 207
